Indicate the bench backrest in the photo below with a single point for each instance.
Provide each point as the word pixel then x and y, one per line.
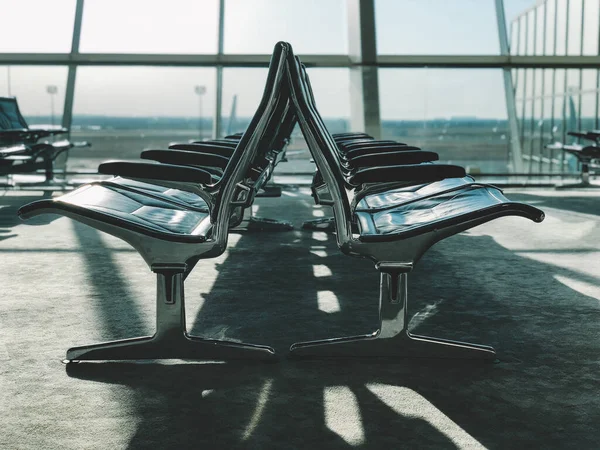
pixel 256 142
pixel 322 147
pixel 10 116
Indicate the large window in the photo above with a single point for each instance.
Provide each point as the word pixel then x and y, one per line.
pixel 590 27
pixel 311 26
pixel 138 26
pixel 552 102
pixel 424 27
pixel 123 110
pixel 38 26
pixel 459 113
pixel 40 91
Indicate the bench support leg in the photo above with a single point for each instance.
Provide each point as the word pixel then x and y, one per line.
pixel 392 339
pixel 253 224
pixel 171 340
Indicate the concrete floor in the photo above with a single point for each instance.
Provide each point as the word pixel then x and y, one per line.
pixel 530 290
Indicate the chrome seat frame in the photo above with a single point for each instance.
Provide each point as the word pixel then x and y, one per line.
pixel 172 256
pixel 394 258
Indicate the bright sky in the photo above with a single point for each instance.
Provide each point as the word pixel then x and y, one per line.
pixel 252 26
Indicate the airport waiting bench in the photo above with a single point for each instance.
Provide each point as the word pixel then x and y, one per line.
pixel 175 224
pixel 20 149
pixel 175 215
pixel 394 226
pixel 585 155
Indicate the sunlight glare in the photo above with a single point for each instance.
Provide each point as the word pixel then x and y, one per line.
pixel 342 414
pixel 319 236
pixel 261 402
pixel 320 270
pixel 409 403
pixel 328 302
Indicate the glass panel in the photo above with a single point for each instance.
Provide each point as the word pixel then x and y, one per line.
pixel 460 113
pixel 536 136
pixel 529 83
pixel 40 91
pixel 526 130
pixel 575 24
pixel 561 27
pixel 550 27
pixel 589 95
pixel 538 82
pixel 520 87
pixel 589 79
pixel 548 97
pixel 515 8
pixel 457 27
pixel 531 32
pixel 560 105
pixel 311 26
pixel 522 35
pixel 138 26
pixel 548 104
pixel 514 38
pixel 37 26
pixel 539 29
pixel 590 27
pixel 123 110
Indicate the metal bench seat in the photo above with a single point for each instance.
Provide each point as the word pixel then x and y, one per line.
pixel 393 224
pixel 428 213
pixel 173 225
pixel 381 197
pixel 185 198
pixel 122 208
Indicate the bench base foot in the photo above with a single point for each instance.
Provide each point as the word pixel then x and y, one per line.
pixel 392 339
pixel 179 346
pixel 404 345
pixel 171 340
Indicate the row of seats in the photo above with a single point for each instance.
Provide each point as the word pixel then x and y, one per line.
pixel 585 154
pixel 20 148
pixel 390 201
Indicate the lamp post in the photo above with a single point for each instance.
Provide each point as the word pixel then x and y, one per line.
pixel 52 90
pixel 200 91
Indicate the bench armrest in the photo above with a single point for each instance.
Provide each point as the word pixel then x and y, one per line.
pixel 153 171
pixel 186 158
pixel 367 149
pixel 413 172
pixel 393 158
pixel 589 135
pixel 204 148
